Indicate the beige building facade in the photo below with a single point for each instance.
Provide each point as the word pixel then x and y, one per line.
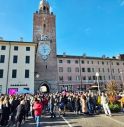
pixel 17 62
pixel 79 72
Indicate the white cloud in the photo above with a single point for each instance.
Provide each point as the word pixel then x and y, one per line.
pixel 122 3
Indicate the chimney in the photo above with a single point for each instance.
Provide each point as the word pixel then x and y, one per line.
pixel 1 38
pixel 21 39
pixel 64 54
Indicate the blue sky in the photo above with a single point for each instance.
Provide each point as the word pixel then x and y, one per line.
pixel 93 27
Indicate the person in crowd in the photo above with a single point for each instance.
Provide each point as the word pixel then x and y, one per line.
pixel 52 104
pixel 90 104
pixel 20 113
pixel 77 104
pixel 1 109
pixel 27 107
pixel 5 111
pixel 63 104
pixel 37 107
pixel 84 104
pixel 98 104
pixel 104 102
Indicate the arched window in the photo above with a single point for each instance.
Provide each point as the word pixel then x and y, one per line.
pixel 47 10
pixel 44 8
pixel 44 27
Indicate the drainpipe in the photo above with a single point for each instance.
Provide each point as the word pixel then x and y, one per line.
pixel 8 68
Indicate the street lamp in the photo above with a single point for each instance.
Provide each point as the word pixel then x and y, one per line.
pixel 37 75
pixel 122 79
pixel 97 75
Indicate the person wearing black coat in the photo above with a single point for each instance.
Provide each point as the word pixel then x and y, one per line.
pixel 20 113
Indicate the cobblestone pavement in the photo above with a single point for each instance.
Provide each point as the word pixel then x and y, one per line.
pixel 72 120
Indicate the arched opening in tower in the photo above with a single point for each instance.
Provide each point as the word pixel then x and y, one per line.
pixel 44 88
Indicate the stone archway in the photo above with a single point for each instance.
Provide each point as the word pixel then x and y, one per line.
pixel 44 88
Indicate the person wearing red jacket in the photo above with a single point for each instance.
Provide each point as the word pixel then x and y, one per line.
pixel 37 107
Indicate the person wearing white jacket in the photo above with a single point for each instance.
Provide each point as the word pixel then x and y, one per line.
pixel 104 102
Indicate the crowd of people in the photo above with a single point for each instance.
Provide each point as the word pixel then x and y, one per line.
pixel 15 109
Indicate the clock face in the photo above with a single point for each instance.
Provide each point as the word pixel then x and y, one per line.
pixel 44 49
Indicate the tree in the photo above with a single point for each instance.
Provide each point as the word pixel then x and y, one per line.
pixel 112 90
pixel 112 87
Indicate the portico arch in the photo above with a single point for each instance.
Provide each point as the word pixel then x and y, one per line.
pixel 44 87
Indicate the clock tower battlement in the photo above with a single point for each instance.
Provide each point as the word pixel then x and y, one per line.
pixel 44 34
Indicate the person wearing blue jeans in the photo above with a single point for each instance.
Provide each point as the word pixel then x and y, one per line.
pixel 37 107
pixel 37 119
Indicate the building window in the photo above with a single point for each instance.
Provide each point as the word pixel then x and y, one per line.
pixel 82 61
pixel 89 78
pixel 69 78
pixel 27 48
pixel 15 59
pixel 69 69
pixel 103 70
pixel 92 62
pixel 113 70
pixel 109 77
pixel 26 73
pixel 94 77
pixel 118 70
pixel 60 61
pixel 92 69
pixel 98 62
pixel 76 61
pixel 16 48
pixel 84 77
pixel 108 69
pixel 119 77
pixel 100 77
pixel 60 69
pixel 78 78
pixel 88 70
pixel 68 61
pixel 27 59
pixel 99 69
pixel 2 58
pixel 83 69
pixel 88 62
pixel 14 73
pixel 60 78
pixel 3 47
pixel 102 63
pixel 104 77
pixel 1 73
pixel 117 63
pixel 77 69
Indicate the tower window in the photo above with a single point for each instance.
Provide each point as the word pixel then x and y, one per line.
pixel 47 10
pixel 44 8
pixel 44 26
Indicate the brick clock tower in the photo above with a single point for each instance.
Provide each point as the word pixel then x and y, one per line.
pixel 44 34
